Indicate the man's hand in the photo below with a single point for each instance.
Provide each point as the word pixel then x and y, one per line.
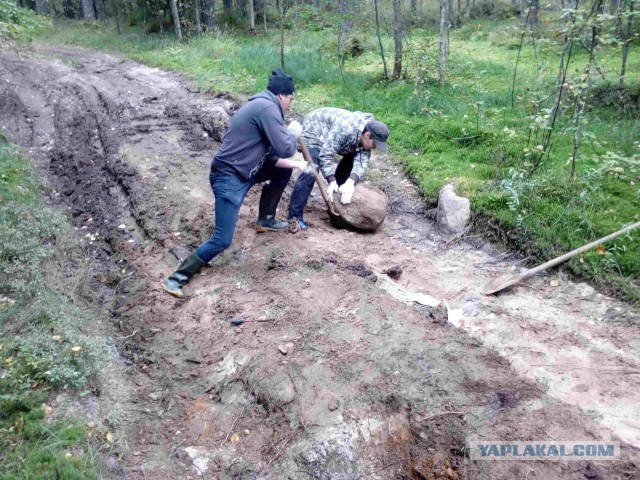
pixel 347 189
pixel 309 169
pixel 331 189
pixel 295 128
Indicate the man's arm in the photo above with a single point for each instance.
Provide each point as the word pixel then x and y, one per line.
pixel 281 140
pixel 289 163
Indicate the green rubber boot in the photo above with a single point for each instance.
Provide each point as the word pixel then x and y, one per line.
pixel 178 279
pixel 269 222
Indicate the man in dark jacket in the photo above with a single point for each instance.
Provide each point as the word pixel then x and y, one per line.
pixel 255 148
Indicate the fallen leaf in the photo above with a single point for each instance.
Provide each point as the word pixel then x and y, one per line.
pixel 76 349
pixel 601 250
pixel 235 438
pixel 109 437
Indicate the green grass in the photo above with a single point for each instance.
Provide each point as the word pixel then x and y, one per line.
pixel 452 133
pixel 35 449
pixel 42 348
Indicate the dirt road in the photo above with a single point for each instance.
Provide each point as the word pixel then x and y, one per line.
pixel 373 384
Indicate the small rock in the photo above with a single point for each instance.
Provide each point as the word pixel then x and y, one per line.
pixel 554 283
pixel 586 291
pixel 155 396
pixel 394 272
pixel 283 349
pixel 333 405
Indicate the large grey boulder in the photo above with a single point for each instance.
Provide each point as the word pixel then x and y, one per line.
pixel 367 210
pixel 454 211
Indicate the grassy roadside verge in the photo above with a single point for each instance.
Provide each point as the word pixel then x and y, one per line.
pixel 42 347
pixel 466 132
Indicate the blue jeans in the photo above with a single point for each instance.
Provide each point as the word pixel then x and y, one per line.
pixel 229 191
pixel 305 182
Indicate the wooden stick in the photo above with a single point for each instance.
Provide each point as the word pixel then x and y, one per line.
pixel 307 157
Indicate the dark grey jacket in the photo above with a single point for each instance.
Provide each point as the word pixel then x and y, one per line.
pixel 256 135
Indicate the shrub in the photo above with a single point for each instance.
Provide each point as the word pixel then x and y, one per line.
pixel 18 22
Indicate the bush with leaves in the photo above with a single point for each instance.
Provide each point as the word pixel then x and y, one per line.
pixel 18 22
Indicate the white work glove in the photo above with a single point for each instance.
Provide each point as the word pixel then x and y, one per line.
pixel 295 128
pixel 304 167
pixel 331 189
pixel 310 169
pixel 347 189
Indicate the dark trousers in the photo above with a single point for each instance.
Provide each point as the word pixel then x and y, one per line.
pixel 229 191
pixel 304 184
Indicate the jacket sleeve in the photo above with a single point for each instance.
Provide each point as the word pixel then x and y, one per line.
pixel 332 146
pixel 360 165
pixel 283 143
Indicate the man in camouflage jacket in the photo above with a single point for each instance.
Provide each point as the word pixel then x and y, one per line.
pixel 334 131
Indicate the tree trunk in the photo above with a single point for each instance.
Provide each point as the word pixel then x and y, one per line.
pixel 397 39
pixel 264 16
pixel 208 14
pixel 444 36
pixel 384 61
pixel 115 9
pixel 241 8
pixel 88 11
pixel 282 14
pixel 345 23
pixel 176 18
pixel 617 7
pixel 252 17
pixel 198 15
pixel 529 13
pixel 41 7
pixel 101 12
pixel 625 45
pixel 414 7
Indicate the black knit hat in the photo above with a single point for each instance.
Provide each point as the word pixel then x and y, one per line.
pixel 281 83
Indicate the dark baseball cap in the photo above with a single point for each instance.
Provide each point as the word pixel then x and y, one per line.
pixel 380 133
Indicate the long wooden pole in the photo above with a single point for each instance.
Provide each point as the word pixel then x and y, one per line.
pixel 504 282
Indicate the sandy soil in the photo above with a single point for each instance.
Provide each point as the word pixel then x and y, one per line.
pixel 374 385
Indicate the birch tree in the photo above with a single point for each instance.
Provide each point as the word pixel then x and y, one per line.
pixel 444 41
pixel 398 32
pixel 252 17
pixel 176 18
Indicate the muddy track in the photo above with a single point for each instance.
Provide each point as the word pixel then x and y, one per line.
pixel 373 385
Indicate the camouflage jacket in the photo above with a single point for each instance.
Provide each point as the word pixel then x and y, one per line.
pixel 335 131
